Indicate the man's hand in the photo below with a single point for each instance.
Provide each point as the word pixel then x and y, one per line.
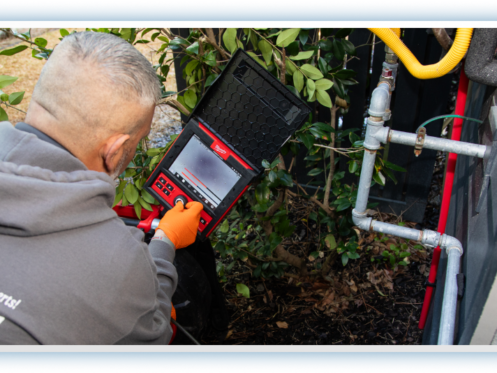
pixel 180 224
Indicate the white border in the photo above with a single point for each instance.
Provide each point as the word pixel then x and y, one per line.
pixel 245 348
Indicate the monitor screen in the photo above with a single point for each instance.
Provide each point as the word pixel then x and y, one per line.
pixel 204 173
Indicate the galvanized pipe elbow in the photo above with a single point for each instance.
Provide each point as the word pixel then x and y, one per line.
pixel 379 100
pixel 449 243
pixel 362 221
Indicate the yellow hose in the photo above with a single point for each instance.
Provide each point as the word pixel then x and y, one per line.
pixel 451 59
pixel 397 31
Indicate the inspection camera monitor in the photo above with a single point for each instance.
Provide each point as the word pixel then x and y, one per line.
pixel 246 116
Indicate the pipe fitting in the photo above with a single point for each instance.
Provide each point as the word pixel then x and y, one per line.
pixel 361 220
pixel 394 66
pixel 379 100
pixel 372 129
pixel 430 238
pixel 449 243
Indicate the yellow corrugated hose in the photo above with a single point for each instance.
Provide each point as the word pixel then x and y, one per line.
pixel 451 59
pixel 397 31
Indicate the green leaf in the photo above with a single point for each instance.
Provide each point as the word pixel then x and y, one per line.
pixel 343 204
pixel 262 193
pixel 286 37
pixel 131 193
pixel 119 196
pixel 323 84
pixel 193 48
pixel 266 164
pixel 298 80
pixel 379 178
pixel 294 91
pixel 267 50
pixel 145 205
pixel 42 43
pixel 63 32
pixel 323 98
pixel 331 242
pixel 343 32
pixel 6 80
pixel 225 227
pixel 394 167
pixel 302 56
pixel 285 178
pixel 349 47
pixel 126 33
pixel 315 171
pixel 345 74
pixel 257 271
pixel 147 197
pixel 290 67
pixel 353 167
pixel 12 51
pixel 338 49
pixel 16 98
pixel 303 36
pixel 3 115
pixel 311 87
pixel 311 72
pixel 243 290
pixel 255 57
pixel 190 98
pixel 138 210
pixel 229 38
pixel 308 140
pixel 210 79
pixel 292 49
pixel 4 96
pixel 191 66
pixel 345 259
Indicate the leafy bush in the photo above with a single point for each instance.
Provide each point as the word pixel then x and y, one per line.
pixel 311 63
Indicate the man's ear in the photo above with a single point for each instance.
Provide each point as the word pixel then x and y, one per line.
pixel 112 151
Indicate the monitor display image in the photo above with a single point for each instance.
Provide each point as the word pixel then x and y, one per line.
pixel 204 173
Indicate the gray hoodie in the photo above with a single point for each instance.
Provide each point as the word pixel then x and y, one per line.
pixel 71 272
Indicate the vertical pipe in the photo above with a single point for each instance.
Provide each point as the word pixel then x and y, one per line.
pixel 447 192
pixel 448 318
pixel 365 180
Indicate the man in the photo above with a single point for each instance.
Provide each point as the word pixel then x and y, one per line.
pixel 70 271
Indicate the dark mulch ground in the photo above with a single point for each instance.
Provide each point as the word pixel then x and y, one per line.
pixel 363 303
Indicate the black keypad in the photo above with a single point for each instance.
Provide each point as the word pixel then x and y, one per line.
pixel 202 220
pixel 158 185
pixel 162 180
pixel 170 187
pixel 167 192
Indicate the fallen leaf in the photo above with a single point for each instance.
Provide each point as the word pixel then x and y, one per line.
pixel 282 324
pixel 270 294
pixel 321 254
pixel 311 258
pixel 264 299
pixel 229 334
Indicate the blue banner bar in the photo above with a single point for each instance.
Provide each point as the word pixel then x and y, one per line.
pixel 250 361
pixel 248 11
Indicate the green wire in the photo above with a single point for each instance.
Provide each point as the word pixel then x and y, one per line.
pixel 448 116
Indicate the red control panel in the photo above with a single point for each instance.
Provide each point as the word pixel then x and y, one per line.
pixel 169 191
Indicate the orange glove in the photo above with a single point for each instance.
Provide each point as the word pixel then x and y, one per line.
pixel 180 224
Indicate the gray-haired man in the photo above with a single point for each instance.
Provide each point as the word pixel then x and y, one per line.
pixel 70 271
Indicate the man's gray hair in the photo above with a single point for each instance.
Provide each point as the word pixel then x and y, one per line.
pixel 121 63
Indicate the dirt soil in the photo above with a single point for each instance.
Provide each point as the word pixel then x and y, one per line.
pixel 364 303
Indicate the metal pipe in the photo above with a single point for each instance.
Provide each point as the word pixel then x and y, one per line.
pixel 365 180
pixel 430 142
pixel 449 305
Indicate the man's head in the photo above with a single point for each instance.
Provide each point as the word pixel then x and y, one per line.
pixel 96 96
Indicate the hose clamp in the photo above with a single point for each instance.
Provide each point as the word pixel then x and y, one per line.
pixel 420 141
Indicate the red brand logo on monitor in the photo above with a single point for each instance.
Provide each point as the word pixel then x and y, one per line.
pixel 218 149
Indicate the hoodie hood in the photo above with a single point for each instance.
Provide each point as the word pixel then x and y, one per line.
pixel 45 189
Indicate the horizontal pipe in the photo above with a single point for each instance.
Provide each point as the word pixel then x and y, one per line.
pixel 436 143
pixel 449 305
pixel 397 230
